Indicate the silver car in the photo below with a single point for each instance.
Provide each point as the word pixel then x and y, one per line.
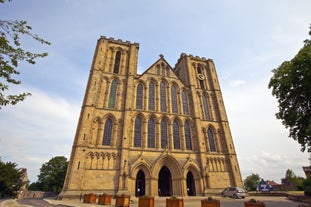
pixel 234 192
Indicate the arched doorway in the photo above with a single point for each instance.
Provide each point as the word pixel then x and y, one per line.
pixel 140 184
pixel 165 182
pixel 190 185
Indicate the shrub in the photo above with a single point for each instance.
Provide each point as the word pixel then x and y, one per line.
pixel 307 186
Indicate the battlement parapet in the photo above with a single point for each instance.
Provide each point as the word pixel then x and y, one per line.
pixel 118 41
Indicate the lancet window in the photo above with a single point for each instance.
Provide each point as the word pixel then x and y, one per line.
pixel 107 132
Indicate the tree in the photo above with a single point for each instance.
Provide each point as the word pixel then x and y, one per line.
pixel 296 180
pixel 10 179
pixel 307 186
pixel 291 84
pixel 52 175
pixel 11 53
pixel 289 174
pixel 251 182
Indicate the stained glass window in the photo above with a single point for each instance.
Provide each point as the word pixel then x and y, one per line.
pixel 205 107
pixel 107 132
pixel 139 97
pixel 112 95
pixel 163 133
pixel 188 136
pixel 176 137
pixel 174 99
pixel 163 96
pixel 211 140
pixel 185 102
pixel 137 132
pixel 151 96
pixel 151 133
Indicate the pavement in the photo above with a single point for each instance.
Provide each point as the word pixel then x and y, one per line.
pixel 161 202
pixel 11 203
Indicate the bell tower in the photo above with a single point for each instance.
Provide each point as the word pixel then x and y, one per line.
pixel 211 122
pixel 113 68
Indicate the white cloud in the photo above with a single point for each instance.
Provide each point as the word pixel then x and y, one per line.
pixel 236 83
pixel 261 141
pixel 37 129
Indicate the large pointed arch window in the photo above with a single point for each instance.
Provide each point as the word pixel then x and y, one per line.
pixel 139 96
pixel 137 132
pixel 151 96
pixel 176 137
pixel 117 61
pixel 107 132
pixel 112 95
pixel 174 99
pixel 205 107
pixel 163 96
pixel 185 102
pixel 211 140
pixel 163 133
pixel 151 133
pixel 188 136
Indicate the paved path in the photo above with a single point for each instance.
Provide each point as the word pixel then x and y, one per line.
pixel 160 202
pixel 193 202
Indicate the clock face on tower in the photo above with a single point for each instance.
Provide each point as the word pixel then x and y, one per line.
pixel 200 77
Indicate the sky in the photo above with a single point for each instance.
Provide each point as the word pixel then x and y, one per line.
pixel 246 39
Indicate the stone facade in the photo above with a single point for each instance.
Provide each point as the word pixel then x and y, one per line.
pixel 164 132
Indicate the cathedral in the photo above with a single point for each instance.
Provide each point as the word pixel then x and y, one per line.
pixel 161 133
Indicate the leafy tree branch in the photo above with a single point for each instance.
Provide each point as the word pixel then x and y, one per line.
pixel 291 85
pixel 11 54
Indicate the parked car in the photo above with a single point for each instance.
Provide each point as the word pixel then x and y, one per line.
pixel 234 192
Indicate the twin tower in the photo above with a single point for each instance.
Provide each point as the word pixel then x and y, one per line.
pixel 163 132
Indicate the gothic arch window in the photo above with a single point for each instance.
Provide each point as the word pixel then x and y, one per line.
pixel 151 96
pixel 117 61
pixel 174 99
pixel 163 96
pixel 176 137
pixel 185 102
pixel 188 136
pixel 137 132
pixel 163 133
pixel 151 133
pixel 139 96
pixel 211 140
pixel 205 107
pixel 107 132
pixel 199 70
pixel 112 95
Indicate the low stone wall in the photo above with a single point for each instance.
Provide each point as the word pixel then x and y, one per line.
pixel 268 193
pixel 36 194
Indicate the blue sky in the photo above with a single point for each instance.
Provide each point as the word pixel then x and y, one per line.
pixel 246 39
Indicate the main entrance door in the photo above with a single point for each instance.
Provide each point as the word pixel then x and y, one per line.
pixel 140 184
pixel 190 184
pixel 165 182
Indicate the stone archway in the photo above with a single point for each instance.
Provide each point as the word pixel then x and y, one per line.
pixel 190 184
pixel 140 184
pixel 165 182
pixel 167 170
